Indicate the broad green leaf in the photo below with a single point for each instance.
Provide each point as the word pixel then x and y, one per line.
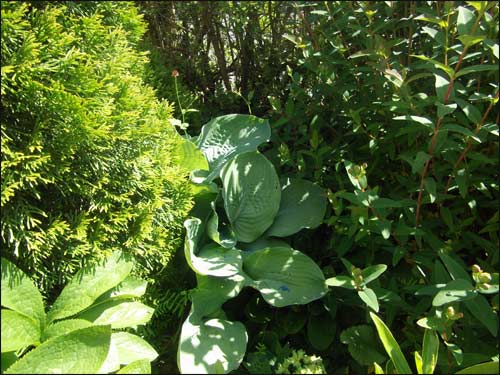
pixel 436 64
pixel 131 348
pixel 419 119
pixel 63 327
pixel 430 351
pixel 372 272
pixel 321 330
pixel 212 259
pixel 88 284
pixel 418 363
pixel 470 110
pixel 131 287
pixel 251 192
pixel 81 352
pixel 212 292
pixel 224 137
pixel 215 260
pixel 216 340
pixel 418 163
pixel 369 297
pixel 220 232
pixel 361 343
pixel 455 290
pixel 303 205
pixel 20 294
pixel 391 346
pixel 479 307
pixel 260 244
pixel 481 368
pixel 442 85
pixel 189 157
pixel 341 281
pixel 285 276
pixel 470 40
pixel 118 313
pixel 142 366
pixel 8 358
pixel 18 331
pixel 443 110
pixel 476 69
pixel 465 20
pixel 435 20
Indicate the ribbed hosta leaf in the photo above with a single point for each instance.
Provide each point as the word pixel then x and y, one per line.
pixel 224 137
pixel 303 205
pixel 220 231
pixel 251 193
pixel 212 347
pixel 285 276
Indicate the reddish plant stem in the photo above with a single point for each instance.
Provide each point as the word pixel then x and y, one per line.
pixel 469 143
pixel 438 125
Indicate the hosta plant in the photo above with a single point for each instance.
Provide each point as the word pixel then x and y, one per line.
pixel 241 207
pixel 78 334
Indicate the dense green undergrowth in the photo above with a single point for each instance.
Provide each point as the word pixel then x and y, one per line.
pixel 390 109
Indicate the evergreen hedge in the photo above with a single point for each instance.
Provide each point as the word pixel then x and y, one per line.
pixel 88 152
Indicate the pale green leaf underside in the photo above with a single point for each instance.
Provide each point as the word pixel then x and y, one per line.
pixel 303 205
pixel 131 348
pixel 285 276
pixel 214 343
pixel 81 352
pixel 20 294
pixel 18 331
pixel 88 284
pixel 251 192
pixel 224 137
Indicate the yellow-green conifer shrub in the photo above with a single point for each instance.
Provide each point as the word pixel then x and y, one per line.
pixel 87 149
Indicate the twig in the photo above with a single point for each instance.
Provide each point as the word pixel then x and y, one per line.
pixel 469 143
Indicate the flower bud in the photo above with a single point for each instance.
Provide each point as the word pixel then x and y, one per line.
pixel 476 269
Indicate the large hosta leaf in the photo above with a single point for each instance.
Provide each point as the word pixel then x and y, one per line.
pixel 212 292
pixel 224 137
pixel 251 193
pixel 220 231
pixel 88 284
pixel 212 259
pixel 216 260
pixel 303 205
pixel 20 294
pixel 211 347
pixel 285 276
pixel 80 352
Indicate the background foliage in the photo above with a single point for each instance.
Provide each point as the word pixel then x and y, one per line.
pixel 390 106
